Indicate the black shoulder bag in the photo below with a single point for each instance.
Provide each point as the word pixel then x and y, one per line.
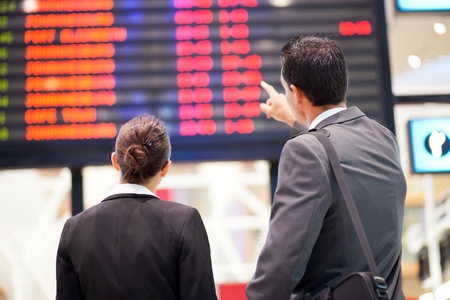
pixel 357 285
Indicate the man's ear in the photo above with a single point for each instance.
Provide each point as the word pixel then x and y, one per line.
pixel 298 93
pixel 166 168
pixel 114 161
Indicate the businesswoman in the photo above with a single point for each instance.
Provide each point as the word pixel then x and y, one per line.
pixel 134 245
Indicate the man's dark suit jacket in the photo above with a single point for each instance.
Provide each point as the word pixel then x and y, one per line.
pixel 133 246
pixel 311 241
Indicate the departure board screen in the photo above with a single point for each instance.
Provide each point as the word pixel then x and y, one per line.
pixel 73 71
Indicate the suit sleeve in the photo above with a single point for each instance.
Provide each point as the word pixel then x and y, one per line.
pixel 196 276
pixel 301 201
pixel 67 285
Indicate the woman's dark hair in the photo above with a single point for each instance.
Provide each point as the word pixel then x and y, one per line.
pixel 142 148
pixel 317 66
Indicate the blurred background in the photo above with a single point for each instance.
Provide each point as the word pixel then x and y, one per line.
pixel 230 179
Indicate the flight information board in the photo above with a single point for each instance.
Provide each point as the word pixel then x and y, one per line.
pixel 73 71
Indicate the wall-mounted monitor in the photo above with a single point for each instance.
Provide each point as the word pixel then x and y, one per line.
pixel 73 71
pixel 422 5
pixel 429 141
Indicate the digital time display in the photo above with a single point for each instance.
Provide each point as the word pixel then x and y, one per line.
pixel 73 71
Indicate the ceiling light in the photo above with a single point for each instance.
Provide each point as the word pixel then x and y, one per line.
pixel 440 28
pixel 414 61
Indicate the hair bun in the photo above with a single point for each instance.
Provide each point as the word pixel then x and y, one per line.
pixel 135 156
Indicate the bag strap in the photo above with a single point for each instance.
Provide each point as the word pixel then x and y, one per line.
pixel 380 283
pixel 322 136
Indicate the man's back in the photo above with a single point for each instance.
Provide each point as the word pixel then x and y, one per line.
pixel 369 157
pixel 310 221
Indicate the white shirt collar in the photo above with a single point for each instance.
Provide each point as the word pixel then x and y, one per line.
pixel 131 188
pixel 324 115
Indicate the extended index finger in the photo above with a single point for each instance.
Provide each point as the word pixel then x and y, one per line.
pixel 269 89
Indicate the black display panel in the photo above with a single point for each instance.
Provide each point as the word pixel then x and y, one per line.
pixel 72 71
